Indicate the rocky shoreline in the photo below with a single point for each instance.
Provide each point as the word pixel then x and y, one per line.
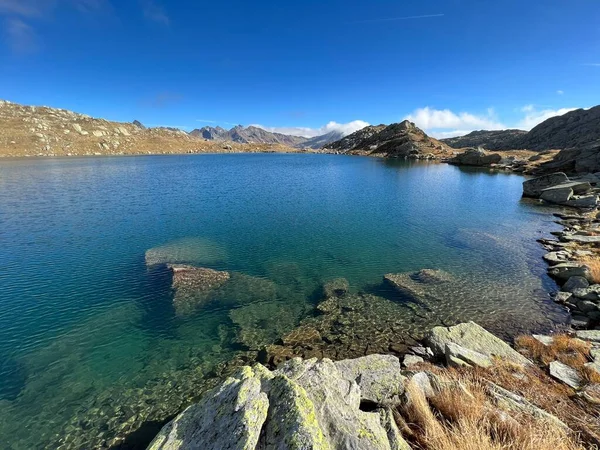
pixel 377 402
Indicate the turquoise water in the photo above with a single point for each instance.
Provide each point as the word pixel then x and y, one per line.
pixel 91 346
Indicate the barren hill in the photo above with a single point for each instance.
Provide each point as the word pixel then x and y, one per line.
pixel 44 131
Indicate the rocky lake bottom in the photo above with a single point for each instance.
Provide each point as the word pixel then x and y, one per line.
pixel 98 346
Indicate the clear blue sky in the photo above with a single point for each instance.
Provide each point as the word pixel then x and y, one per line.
pixel 450 65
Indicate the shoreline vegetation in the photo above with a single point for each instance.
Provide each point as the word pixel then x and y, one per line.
pixel 460 387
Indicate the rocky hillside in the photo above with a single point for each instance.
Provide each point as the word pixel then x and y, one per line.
pixel 490 140
pixel 574 129
pixel 44 131
pixel 396 140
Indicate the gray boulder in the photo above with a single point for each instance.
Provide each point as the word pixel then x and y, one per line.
pixel 589 335
pixel 573 284
pixel 582 201
pixel 535 186
pixel 475 157
pixel 458 355
pixel 564 271
pixel 557 194
pixel 473 337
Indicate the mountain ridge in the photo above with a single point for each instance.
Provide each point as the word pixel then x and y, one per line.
pixel 579 127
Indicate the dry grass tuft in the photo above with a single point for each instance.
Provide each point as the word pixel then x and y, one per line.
pixel 564 348
pixel 594 265
pixel 462 417
pixel 590 375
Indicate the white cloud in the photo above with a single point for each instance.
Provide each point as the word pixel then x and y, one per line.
pixel 345 128
pixel 534 116
pixel 592 64
pixel 559 92
pixel 435 119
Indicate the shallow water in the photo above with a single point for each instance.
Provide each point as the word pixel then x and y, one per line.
pixel 88 330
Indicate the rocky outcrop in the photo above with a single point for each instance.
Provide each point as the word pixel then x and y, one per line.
pixel 577 129
pixel 489 140
pixel 398 140
pixel 557 188
pixel 583 159
pixel 302 405
pixel 460 341
pixel 475 157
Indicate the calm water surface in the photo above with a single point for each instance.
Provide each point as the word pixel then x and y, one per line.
pixel 87 329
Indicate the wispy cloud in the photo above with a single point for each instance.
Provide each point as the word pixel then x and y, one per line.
pixel 214 122
pixel 154 12
pixel 20 8
pixel 591 64
pixel 20 36
pixel 393 19
pixel 559 92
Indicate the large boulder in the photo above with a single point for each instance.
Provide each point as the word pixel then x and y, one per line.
pixel 303 405
pixel 475 157
pixel 535 186
pixel 557 194
pixel 475 338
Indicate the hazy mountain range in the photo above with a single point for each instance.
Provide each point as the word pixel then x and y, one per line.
pixel 256 135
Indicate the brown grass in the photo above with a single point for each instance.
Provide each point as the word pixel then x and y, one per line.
pixel 594 265
pixel 564 348
pixel 462 417
pixel 590 375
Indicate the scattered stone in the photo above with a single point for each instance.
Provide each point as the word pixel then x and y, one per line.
pixel 583 201
pixel 589 335
pixel 546 340
pixel 580 239
pixel 563 297
pixel 423 352
pixel 590 293
pixel 556 257
pixel 580 322
pixel 574 283
pixel 565 374
pixel 412 360
pixel 564 271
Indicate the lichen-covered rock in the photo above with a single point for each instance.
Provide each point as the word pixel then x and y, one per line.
pixel 564 271
pixel 378 377
pixel 303 405
pixel 473 337
pixel 575 283
pixel 229 417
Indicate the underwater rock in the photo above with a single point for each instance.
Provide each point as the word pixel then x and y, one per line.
pixel 197 251
pixel 303 405
pixel 193 286
pixel 242 289
pixel 336 288
pixel 262 323
pixel 417 284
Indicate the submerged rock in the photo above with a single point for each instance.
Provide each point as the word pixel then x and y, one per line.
pixel 475 338
pixel 193 286
pixel 336 287
pixel 197 251
pixel 303 405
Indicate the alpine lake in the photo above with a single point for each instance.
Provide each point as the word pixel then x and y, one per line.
pixel 95 352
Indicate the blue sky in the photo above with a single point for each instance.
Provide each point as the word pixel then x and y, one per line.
pixel 452 66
